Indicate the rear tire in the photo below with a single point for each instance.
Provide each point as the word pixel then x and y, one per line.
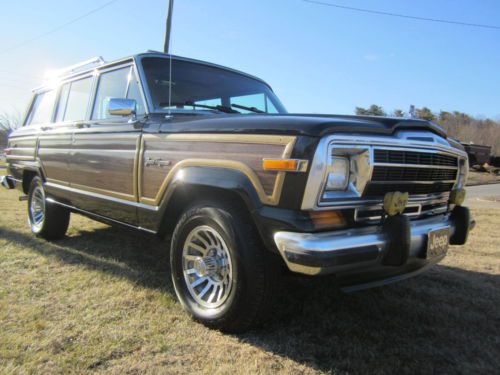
pixel 222 275
pixel 46 220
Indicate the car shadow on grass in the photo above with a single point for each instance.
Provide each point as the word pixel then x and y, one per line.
pixel 444 321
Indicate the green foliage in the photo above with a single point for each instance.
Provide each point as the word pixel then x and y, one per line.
pixel 425 114
pixel 373 110
pixel 398 113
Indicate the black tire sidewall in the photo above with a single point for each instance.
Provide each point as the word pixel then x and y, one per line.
pixel 222 222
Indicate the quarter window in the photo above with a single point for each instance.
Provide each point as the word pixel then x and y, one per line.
pixel 41 111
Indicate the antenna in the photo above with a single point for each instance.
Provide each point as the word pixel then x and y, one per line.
pixel 166 48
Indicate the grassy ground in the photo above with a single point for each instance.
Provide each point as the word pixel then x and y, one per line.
pixel 481 178
pixel 101 301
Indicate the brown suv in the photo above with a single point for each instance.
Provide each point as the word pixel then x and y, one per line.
pixel 209 157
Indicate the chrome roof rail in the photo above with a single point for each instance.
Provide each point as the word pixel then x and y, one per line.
pixel 84 65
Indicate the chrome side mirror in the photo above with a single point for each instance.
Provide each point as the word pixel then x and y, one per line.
pixel 122 107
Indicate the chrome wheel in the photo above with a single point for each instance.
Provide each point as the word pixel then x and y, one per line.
pixel 207 267
pixel 37 207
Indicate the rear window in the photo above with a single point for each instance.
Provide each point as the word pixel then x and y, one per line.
pixel 74 100
pixel 43 106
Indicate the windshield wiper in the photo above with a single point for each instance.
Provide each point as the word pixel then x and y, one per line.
pixel 251 109
pixel 220 108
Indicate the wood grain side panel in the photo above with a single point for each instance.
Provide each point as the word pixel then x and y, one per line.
pixel 240 152
pixel 175 152
pixel 22 148
pixel 105 163
pixel 54 153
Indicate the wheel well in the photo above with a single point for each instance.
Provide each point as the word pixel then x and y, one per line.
pixel 187 196
pixel 27 177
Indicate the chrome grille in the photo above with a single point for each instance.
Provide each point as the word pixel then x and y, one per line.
pixel 415 172
pixel 413 157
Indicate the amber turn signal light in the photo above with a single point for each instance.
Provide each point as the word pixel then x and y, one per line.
pixel 287 165
pixel 327 219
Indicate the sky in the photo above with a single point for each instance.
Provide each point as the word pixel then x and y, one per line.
pixel 318 59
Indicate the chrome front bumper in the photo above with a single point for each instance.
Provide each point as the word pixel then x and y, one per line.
pixel 352 249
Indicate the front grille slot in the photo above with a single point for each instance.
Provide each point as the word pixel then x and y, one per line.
pixel 379 190
pixel 414 157
pixel 385 173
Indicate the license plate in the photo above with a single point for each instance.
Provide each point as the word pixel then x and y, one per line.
pixel 437 243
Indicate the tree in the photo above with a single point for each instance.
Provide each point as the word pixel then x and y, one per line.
pixel 458 125
pixel 374 110
pixel 8 123
pixel 425 114
pixel 398 113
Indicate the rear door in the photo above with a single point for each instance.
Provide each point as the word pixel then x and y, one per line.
pixel 105 149
pixel 53 144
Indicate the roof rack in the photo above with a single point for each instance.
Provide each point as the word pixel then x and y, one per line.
pixel 84 65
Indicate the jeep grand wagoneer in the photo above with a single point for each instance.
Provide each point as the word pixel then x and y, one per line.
pixel 209 157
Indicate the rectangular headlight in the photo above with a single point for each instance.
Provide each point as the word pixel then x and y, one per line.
pixel 338 177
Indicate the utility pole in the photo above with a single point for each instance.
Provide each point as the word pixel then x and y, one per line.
pixel 166 48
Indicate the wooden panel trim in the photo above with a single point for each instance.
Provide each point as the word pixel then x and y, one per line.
pixel 273 199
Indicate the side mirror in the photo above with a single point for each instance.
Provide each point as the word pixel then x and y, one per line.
pixel 122 107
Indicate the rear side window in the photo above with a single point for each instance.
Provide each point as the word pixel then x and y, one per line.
pixel 74 100
pixel 112 84
pixel 43 106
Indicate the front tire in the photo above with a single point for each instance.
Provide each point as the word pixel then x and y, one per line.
pixel 46 220
pixel 221 274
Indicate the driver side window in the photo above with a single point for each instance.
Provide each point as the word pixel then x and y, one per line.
pixel 111 85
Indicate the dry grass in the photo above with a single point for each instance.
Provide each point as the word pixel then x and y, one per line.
pixel 482 178
pixel 101 301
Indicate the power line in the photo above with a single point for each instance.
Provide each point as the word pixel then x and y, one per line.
pixel 57 28
pixel 403 15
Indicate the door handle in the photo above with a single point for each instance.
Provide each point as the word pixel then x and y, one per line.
pixel 80 125
pixel 45 128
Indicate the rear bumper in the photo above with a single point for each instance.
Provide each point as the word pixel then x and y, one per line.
pixel 356 254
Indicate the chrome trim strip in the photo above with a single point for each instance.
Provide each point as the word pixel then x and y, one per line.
pixel 414 165
pixel 51 200
pixel 379 207
pixel 105 197
pixel 388 182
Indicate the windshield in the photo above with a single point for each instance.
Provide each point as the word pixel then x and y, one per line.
pixel 198 87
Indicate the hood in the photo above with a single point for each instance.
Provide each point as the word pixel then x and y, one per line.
pixel 294 124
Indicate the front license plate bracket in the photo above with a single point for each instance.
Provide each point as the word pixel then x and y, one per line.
pixel 437 242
